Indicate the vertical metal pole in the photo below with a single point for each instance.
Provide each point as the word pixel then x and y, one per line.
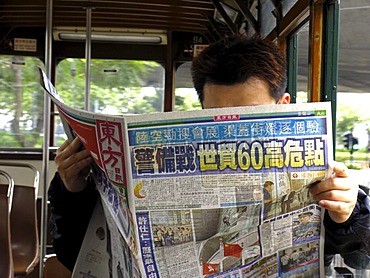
pixel 331 55
pixel 293 67
pixel 368 146
pixel 45 153
pixel 169 99
pixel 88 58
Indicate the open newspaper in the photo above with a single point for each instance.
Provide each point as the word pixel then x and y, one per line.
pixel 211 193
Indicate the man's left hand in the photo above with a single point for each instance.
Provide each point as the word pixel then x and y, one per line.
pixel 337 194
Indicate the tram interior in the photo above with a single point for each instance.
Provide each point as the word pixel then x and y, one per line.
pixel 61 35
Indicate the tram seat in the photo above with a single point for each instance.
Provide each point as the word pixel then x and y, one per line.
pixel 6 195
pixel 23 223
pixel 24 231
pixel 54 269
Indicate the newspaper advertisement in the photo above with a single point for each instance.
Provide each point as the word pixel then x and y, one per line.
pixel 211 193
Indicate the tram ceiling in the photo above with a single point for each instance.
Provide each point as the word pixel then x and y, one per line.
pixel 167 15
pixel 212 18
pixel 18 17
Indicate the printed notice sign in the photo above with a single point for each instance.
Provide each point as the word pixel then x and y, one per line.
pixel 29 45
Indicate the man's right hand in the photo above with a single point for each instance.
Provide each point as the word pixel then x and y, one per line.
pixel 72 165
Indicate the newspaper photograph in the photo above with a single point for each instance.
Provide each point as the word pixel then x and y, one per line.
pixel 210 193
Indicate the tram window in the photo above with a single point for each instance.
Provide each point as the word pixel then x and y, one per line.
pixel 302 86
pixel 353 95
pixel 21 102
pixel 116 87
pixel 186 97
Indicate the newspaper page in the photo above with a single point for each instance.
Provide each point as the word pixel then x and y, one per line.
pixel 212 193
pixel 225 192
pixel 104 252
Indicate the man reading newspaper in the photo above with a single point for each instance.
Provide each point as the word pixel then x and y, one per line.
pixel 236 71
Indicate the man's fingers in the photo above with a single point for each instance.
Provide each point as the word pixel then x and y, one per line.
pixel 80 165
pixel 65 161
pixel 335 206
pixel 334 195
pixel 68 156
pixel 330 184
pixel 74 146
pixel 340 170
pixel 337 194
pixel 339 211
pixel 70 149
pixel 63 147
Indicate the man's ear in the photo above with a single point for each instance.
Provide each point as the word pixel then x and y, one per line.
pixel 285 99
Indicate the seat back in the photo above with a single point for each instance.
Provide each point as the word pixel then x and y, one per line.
pixel 54 269
pixel 23 222
pixel 24 230
pixel 6 195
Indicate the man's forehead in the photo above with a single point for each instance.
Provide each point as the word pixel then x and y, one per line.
pixel 251 93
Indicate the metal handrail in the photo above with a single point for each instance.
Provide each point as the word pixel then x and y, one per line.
pixel 10 189
pixel 36 173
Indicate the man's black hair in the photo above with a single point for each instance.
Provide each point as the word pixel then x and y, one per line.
pixel 236 59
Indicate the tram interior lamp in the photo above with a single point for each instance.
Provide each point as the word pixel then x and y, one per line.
pixel 115 37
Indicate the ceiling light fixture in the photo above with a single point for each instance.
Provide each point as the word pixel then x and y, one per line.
pixel 114 35
pixel 124 38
